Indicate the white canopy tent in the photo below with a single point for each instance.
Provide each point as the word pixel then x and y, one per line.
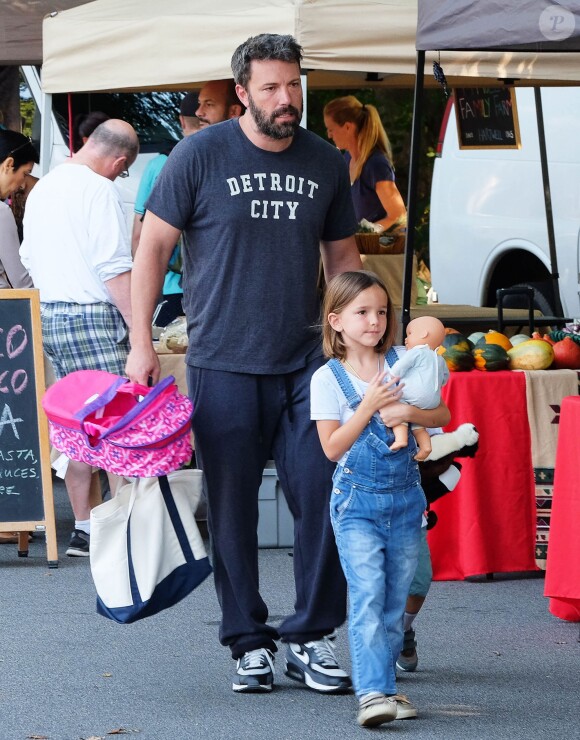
pixel 147 45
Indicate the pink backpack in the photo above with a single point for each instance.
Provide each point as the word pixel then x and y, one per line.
pixel 122 427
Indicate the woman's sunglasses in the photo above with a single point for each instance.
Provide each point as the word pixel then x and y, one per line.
pixel 28 142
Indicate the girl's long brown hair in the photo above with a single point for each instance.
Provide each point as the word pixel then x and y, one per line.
pixel 342 290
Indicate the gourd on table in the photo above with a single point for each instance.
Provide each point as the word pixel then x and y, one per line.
pixel 535 354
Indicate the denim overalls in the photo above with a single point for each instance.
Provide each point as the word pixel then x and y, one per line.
pixel 376 507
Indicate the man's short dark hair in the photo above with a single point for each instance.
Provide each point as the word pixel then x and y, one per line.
pixel 264 47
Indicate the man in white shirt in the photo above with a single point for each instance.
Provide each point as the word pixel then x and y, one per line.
pixel 77 250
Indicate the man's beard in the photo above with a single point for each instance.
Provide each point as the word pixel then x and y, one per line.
pixel 267 123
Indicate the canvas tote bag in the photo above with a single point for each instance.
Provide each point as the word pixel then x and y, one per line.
pixel 146 552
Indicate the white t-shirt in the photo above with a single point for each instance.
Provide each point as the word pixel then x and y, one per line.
pixel 327 401
pixel 75 235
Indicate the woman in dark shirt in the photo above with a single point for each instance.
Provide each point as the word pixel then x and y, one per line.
pixel 356 128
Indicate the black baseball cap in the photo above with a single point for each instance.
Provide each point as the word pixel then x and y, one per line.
pixel 189 104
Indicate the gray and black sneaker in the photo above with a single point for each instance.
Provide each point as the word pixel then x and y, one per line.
pixel 254 672
pixel 314 664
pixel 79 544
pixel 408 659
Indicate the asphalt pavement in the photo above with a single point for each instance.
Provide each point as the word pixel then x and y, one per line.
pixel 493 663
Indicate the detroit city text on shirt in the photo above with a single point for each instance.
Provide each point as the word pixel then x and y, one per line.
pixel 272 182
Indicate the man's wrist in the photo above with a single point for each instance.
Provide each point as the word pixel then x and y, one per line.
pixel 140 338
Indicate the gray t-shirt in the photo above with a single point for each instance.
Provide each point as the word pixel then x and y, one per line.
pixel 253 221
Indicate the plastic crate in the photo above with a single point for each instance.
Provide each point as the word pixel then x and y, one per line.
pixel 275 524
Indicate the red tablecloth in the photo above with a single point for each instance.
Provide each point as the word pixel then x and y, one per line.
pixel 562 583
pixel 487 524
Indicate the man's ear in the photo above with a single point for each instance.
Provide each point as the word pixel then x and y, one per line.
pixel 119 164
pixel 119 160
pixel 235 111
pixel 242 95
pixel 8 164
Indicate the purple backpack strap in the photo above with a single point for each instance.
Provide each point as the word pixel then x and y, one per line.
pixel 131 415
pixel 101 400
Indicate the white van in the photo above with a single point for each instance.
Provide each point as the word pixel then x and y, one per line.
pixel 488 219
pixel 154 116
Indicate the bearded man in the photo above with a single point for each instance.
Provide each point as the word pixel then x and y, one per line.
pixel 260 201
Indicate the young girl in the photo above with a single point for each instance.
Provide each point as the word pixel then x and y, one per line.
pixel 377 501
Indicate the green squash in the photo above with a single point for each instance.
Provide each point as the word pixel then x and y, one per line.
pixel 491 357
pixel 494 337
pixel 457 342
pixel 458 361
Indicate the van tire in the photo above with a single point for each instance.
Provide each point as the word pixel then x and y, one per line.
pixel 541 300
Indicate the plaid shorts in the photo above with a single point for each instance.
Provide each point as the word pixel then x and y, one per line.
pixel 84 337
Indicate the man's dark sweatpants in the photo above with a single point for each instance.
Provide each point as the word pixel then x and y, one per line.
pixel 239 421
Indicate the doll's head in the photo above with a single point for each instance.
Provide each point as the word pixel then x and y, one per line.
pixel 424 330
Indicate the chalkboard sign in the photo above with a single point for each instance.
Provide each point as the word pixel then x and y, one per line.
pixel 26 501
pixel 487 118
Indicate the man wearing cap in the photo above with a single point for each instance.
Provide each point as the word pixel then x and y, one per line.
pixel 188 119
pixel 172 292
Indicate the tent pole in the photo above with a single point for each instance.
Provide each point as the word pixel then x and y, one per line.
pixel 408 275
pixel 548 202
pixel 304 83
pixel 45 133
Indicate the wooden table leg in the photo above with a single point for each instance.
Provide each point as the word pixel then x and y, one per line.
pixel 23 544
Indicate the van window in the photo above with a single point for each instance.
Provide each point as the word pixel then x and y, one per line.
pixel 154 116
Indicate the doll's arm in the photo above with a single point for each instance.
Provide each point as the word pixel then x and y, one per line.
pixel 397 413
pixel 407 361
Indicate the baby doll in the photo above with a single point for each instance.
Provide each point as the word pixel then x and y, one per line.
pixel 423 372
